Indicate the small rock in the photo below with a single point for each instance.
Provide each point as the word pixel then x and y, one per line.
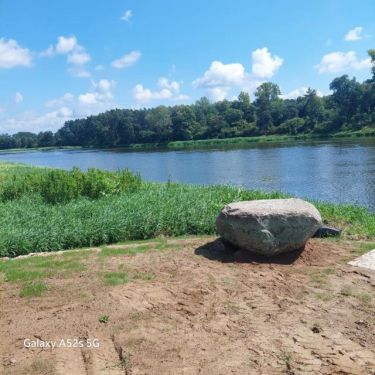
pixel 325 231
pixel 316 329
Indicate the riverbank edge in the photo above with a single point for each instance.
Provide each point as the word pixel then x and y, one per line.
pixel 210 143
pixel 168 209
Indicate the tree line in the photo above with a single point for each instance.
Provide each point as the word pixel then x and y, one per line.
pixel 350 107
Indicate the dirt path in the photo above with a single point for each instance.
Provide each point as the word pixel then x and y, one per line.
pixel 195 307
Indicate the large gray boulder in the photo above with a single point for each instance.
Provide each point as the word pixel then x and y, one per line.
pixel 270 226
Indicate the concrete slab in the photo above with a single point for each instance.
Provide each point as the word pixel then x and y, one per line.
pixel 365 261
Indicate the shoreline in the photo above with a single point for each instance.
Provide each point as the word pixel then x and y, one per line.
pixel 210 143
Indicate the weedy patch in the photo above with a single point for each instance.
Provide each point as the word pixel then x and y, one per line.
pixel 116 278
pixel 362 248
pixel 38 267
pixel 33 289
pixel 364 298
pixel 104 319
pixel 114 251
pixel 136 248
pixel 135 316
pixel 233 307
pixel 347 291
pixel 320 277
pixel 147 276
pixel 325 297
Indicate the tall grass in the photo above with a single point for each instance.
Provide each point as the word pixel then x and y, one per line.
pixel 59 186
pixel 29 224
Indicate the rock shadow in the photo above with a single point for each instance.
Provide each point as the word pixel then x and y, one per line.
pixel 224 252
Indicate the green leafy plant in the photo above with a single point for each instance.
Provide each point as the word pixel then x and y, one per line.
pixel 104 319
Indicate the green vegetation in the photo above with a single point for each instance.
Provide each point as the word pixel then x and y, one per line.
pixel 365 247
pixel 31 223
pixel 366 298
pixel 349 110
pixel 59 186
pixel 320 277
pixel 36 268
pixel 347 291
pixel 33 289
pixel 146 276
pixel 116 278
pixel 104 319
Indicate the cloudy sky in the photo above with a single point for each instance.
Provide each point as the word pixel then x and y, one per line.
pixel 61 60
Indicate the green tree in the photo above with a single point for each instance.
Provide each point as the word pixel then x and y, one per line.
pixel 266 95
pixel 346 97
pixel 312 109
pixel 371 53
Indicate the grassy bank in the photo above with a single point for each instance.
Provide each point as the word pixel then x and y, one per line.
pixel 246 141
pixel 29 224
pixel 216 142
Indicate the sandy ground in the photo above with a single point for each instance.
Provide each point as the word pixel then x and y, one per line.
pixel 199 308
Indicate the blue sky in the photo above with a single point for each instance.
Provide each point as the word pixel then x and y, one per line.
pixel 66 59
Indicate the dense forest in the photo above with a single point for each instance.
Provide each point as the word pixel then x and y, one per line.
pixel 350 107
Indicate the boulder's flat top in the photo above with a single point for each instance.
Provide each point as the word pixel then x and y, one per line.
pixel 365 261
pixel 271 206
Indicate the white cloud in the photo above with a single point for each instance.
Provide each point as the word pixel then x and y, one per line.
pixel 342 61
pixel 76 54
pixel 30 122
pixel 142 94
pixel 68 107
pixel 79 57
pixel 18 98
pixel 66 44
pixel 127 15
pixel 294 94
pixel 218 93
pixel 173 85
pixel 220 74
pixel 127 60
pixel 101 93
pixel 264 64
pixel 169 90
pixel 221 78
pixel 354 34
pixel 12 54
pixel 88 98
pixel 79 71
pixel 60 102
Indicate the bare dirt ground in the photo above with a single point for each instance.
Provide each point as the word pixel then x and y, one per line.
pixel 196 307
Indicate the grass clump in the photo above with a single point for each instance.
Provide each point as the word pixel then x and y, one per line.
pixel 36 268
pixel 33 289
pixel 145 276
pixel 104 319
pixel 320 277
pixel 366 298
pixel 116 278
pixel 347 291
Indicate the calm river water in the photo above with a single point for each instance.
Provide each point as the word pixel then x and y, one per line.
pixel 334 171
